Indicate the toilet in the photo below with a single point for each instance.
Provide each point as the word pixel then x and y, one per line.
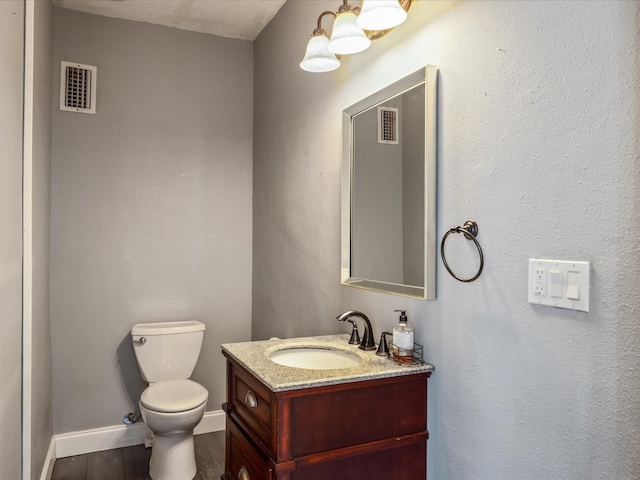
pixel 172 405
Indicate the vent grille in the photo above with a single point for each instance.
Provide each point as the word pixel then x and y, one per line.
pixel 388 125
pixel 78 87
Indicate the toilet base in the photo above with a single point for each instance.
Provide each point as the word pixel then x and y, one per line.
pixel 173 457
pixel 173 452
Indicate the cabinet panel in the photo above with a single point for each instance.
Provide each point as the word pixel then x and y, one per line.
pixel 364 412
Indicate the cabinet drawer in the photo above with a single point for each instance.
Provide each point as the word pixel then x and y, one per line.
pixel 245 461
pixel 254 405
pixel 406 462
pixel 385 408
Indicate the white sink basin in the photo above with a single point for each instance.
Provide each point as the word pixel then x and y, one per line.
pixel 315 358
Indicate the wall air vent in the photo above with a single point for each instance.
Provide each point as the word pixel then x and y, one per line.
pixel 78 87
pixel 388 125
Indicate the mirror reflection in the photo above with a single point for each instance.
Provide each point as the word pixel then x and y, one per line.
pixel 389 189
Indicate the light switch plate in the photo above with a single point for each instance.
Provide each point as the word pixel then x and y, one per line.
pixel 559 283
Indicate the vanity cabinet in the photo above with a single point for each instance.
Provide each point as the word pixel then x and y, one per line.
pixel 367 429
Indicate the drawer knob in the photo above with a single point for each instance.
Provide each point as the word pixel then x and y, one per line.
pixel 250 401
pixel 243 474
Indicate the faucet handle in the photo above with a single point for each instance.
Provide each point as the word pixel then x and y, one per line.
pixel 355 335
pixel 383 348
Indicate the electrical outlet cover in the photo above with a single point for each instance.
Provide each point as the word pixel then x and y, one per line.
pixel 569 283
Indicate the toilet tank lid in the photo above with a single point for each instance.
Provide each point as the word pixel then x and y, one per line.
pixel 166 328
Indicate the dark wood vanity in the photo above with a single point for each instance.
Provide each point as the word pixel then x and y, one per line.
pixel 367 429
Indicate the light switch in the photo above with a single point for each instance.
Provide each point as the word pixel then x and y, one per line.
pixel 573 285
pixel 555 288
pixel 559 283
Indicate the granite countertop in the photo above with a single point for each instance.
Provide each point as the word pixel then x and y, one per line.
pixel 254 356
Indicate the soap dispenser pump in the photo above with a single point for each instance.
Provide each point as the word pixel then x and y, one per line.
pixel 403 339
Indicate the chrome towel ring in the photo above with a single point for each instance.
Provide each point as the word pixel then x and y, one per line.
pixel 470 231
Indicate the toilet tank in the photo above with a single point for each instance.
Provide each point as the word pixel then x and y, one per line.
pixel 167 350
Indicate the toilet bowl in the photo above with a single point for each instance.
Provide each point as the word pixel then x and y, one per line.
pixel 172 409
pixel 172 405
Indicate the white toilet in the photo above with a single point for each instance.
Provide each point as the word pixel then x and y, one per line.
pixel 172 405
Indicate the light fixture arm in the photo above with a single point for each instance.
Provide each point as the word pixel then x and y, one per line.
pixel 406 4
pixel 320 30
pixel 346 7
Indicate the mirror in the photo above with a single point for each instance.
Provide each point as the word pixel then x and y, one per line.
pixel 389 189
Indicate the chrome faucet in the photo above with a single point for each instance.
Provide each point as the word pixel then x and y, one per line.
pixel 368 342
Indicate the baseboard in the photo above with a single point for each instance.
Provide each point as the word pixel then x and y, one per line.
pixel 49 460
pixel 108 438
pixel 211 422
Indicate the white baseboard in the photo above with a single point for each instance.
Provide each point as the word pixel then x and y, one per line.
pixel 108 438
pixel 49 460
pixel 211 422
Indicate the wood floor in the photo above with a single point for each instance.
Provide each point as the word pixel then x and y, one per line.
pixel 132 463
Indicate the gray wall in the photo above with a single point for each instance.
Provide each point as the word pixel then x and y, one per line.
pixel 413 175
pixel 538 142
pixel 151 207
pixel 41 359
pixel 377 194
pixel 11 79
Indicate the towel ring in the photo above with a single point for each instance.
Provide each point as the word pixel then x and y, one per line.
pixel 470 231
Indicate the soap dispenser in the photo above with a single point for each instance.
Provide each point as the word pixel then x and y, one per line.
pixel 403 339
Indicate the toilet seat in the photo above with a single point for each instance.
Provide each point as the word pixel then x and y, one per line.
pixel 174 396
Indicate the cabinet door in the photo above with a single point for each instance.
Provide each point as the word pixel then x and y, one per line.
pixel 244 460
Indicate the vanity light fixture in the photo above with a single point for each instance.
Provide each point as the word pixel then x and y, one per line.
pixel 318 57
pixel 353 30
pixel 347 37
pixel 381 14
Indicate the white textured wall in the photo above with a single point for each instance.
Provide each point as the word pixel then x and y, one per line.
pixel 11 79
pixel 538 141
pixel 151 207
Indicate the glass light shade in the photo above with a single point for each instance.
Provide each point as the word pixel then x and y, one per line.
pixel 318 58
pixel 347 37
pixel 381 14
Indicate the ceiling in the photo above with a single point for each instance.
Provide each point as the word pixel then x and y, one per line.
pixel 242 19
